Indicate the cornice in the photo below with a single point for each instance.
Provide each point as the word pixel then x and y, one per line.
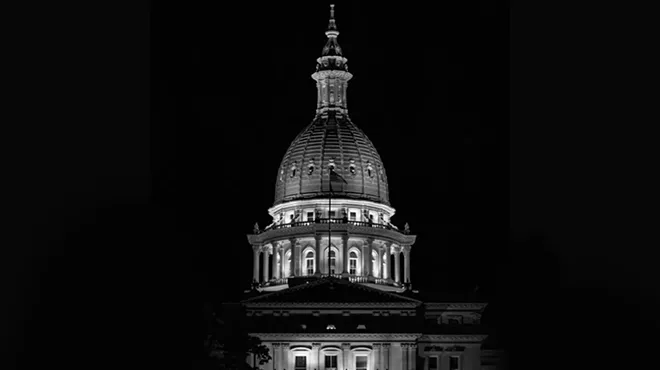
pixel 456 306
pixel 328 305
pixel 340 202
pixel 337 336
pixel 478 338
pixel 311 230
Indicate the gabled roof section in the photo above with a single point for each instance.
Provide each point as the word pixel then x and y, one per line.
pixel 331 290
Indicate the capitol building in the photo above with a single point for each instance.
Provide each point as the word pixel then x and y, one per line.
pixel 331 286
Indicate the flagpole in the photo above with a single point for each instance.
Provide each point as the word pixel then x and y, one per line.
pixel 329 219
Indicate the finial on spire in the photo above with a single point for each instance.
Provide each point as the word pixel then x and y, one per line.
pixel 332 27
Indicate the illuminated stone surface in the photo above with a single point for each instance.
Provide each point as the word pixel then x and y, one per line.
pixel 331 273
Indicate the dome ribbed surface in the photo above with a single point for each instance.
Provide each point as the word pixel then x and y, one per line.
pixel 305 169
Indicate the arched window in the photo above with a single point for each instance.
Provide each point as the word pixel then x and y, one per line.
pixel 333 259
pixel 352 263
pixel 309 263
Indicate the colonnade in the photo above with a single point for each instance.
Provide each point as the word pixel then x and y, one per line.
pixel 380 356
pixel 368 251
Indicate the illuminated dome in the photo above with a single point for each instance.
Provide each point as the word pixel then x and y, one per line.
pixel 331 140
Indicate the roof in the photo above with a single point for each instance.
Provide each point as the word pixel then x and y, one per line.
pixel 331 141
pixel 332 290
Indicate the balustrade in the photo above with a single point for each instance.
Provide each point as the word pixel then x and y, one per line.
pixel 330 221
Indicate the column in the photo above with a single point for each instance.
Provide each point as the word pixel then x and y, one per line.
pixel 266 252
pixel 404 356
pixel 426 362
pixel 276 356
pixel 294 258
pixel 380 262
pixel 344 244
pixel 370 243
pixel 386 269
pixel 289 357
pixel 376 357
pixel 397 268
pixel 386 356
pixel 276 272
pixel 282 261
pixel 255 263
pixel 413 356
pixel 317 255
pixel 406 266
pixel 315 363
pixel 282 359
pixel 346 361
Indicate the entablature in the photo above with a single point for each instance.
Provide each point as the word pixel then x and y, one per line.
pixel 321 229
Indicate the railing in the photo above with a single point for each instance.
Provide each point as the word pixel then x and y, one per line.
pixel 330 221
pixel 381 281
pixel 358 279
pixel 280 281
pixel 351 278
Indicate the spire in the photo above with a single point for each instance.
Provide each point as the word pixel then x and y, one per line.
pixel 331 72
pixel 332 26
pixel 332 47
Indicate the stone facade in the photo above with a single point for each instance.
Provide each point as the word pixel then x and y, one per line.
pixel 332 275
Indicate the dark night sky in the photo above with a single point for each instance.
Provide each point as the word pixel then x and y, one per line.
pixel 124 215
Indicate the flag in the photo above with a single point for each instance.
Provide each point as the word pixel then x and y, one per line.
pixel 334 176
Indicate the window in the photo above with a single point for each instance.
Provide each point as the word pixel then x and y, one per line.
pixel 330 362
pixel 309 263
pixel 454 363
pixel 332 262
pixel 301 363
pixel 360 363
pixel 310 216
pixel 310 169
pixel 332 214
pixel 433 363
pixel 352 263
pixel 353 216
pixel 371 218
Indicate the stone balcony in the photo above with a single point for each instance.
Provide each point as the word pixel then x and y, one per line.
pixel 334 225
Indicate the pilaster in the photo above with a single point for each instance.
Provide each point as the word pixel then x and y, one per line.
pixel 315 357
pixel 346 360
pixel 386 356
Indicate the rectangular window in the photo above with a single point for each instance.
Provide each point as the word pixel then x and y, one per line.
pixel 330 362
pixel 301 363
pixel 360 363
pixel 352 267
pixel 454 363
pixel 332 214
pixel 353 216
pixel 310 267
pixel 433 363
pixel 310 216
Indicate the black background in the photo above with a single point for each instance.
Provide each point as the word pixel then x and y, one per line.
pixel 530 184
